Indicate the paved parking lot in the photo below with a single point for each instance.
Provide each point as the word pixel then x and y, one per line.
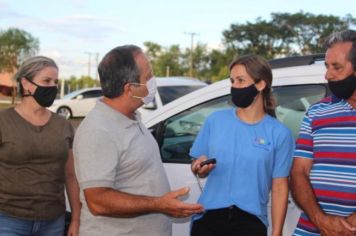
pixel 76 122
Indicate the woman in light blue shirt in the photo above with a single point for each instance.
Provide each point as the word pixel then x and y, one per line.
pixel 253 152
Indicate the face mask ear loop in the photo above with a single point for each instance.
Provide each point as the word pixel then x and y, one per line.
pixel 134 96
pixel 27 95
pixel 31 81
pixel 29 92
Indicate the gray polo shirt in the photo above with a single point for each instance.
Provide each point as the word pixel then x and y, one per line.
pixel 111 150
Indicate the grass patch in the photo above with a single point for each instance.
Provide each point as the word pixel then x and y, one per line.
pixel 5 105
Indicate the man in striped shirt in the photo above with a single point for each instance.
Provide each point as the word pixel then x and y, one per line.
pixel 323 176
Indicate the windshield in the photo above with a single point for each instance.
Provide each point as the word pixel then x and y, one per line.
pixel 170 93
pixel 71 94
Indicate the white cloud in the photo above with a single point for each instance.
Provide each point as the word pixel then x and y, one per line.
pixel 80 27
pixel 85 27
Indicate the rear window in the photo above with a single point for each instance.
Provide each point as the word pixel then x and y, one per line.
pixel 170 93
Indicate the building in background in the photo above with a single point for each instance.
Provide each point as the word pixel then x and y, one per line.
pixel 7 85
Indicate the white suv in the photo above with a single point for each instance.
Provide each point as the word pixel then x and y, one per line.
pixel 176 125
pixel 169 89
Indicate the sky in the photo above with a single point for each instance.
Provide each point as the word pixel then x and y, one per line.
pixel 72 31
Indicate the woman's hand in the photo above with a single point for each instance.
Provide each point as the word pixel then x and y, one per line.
pixel 201 171
pixel 73 228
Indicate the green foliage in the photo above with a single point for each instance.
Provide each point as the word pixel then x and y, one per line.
pixel 219 61
pixel 84 81
pixel 169 60
pixel 165 61
pixel 172 61
pixel 15 46
pixel 285 34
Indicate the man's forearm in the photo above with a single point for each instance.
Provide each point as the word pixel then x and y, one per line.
pixel 118 204
pixel 303 194
pixel 110 202
pixel 279 205
pixel 352 219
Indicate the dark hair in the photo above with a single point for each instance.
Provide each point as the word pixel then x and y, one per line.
pixel 259 69
pixel 344 37
pixel 30 68
pixel 117 68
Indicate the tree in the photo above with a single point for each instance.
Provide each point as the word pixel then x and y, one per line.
pixel 285 34
pixel 84 81
pixel 259 38
pixel 15 46
pixel 218 64
pixel 172 61
pixel 153 50
pixel 164 60
pixel 201 61
pixel 308 31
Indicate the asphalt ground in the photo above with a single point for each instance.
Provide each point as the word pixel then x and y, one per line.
pixel 75 122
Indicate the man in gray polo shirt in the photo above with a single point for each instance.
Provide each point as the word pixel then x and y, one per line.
pixel 124 189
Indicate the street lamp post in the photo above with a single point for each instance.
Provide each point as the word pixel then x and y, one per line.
pixel 192 34
pixel 89 62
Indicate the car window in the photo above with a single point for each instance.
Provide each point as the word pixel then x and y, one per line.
pixel 176 135
pixel 293 102
pixel 92 94
pixel 71 94
pixel 170 93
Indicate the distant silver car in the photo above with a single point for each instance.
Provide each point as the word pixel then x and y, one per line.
pixel 80 102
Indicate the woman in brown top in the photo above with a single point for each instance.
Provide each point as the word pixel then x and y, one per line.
pixel 36 159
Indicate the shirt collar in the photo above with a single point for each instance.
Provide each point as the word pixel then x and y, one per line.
pixel 116 115
pixel 344 102
pixel 335 99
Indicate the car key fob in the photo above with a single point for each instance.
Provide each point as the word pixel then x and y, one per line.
pixel 209 161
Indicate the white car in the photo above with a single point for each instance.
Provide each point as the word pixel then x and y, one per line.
pixel 79 103
pixel 169 89
pixel 176 125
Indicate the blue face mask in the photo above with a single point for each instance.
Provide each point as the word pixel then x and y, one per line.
pixel 44 95
pixel 343 88
pixel 243 97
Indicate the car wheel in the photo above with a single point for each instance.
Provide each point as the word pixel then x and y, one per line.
pixel 65 112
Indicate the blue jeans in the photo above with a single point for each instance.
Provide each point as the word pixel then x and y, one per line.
pixel 12 226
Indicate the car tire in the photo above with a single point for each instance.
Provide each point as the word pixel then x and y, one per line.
pixel 65 112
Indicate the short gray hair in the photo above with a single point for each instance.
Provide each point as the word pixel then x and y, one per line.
pixel 117 68
pixel 30 68
pixel 344 37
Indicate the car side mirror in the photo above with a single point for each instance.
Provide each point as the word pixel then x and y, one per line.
pixel 150 106
pixel 79 97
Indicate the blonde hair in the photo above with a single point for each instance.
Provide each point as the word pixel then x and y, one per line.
pixel 30 68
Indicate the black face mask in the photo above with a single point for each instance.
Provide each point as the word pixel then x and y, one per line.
pixel 43 95
pixel 343 88
pixel 243 97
